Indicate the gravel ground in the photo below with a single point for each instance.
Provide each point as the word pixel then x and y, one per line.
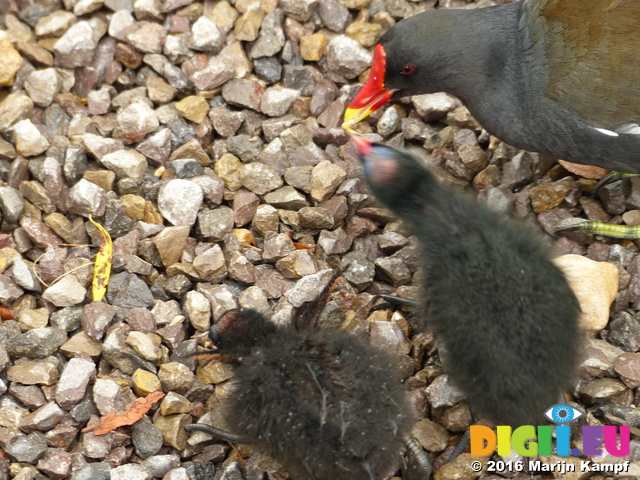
pixel 205 137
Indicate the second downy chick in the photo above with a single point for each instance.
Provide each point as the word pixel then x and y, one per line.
pixel 322 402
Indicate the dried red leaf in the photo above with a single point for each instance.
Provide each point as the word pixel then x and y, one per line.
pixel 6 313
pixel 586 171
pixel 131 415
pixel 300 246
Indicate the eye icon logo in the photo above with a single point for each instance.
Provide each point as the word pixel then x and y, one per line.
pixel 562 413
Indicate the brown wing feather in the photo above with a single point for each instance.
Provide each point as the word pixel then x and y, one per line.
pixel 592 50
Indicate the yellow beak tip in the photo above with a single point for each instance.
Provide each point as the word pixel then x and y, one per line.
pixel 353 116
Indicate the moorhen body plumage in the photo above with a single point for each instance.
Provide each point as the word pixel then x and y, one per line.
pixel 559 77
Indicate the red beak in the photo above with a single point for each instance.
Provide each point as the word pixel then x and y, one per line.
pixel 372 95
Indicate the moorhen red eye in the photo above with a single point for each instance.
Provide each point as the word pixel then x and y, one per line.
pixel 407 70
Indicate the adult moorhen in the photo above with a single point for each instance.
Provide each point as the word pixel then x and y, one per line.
pixel 560 77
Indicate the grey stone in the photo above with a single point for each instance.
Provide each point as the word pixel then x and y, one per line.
pixel 297 264
pixel 77 46
pixel 54 24
pixel 389 122
pixel 43 86
pixel 186 167
pixel 299 78
pixel 299 177
pixel 96 318
pixel 309 154
pixel 160 465
pixel 306 289
pixel 271 38
pixel 214 74
pixel 325 180
pixel 36 343
pixel 130 471
pixel 276 101
pixel 334 242
pixel 243 92
pixel 73 382
pixel 135 121
pixel 66 292
pixel 100 146
pixel 28 139
pixel 286 197
pixel 434 106
pixel 179 201
pixel 333 15
pixel 156 147
pixel 205 36
pixel 394 269
pixel 15 107
pixel 126 164
pixel 215 224
pixel 43 418
pixel 27 449
pixel 99 101
pixel 86 197
pixel 259 178
pixel 149 38
pixel 388 336
pixel 94 471
pixel 117 353
pixel 315 218
pixel 198 310
pixel 211 265
pixel 254 298
pixel 128 291
pixel 120 24
pixel 11 204
pixel 346 57
pixel 443 393
pixel 246 147
pixel 624 330
pixel 300 10
pixel 268 69
pixel 179 473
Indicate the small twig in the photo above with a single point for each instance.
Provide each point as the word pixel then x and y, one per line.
pixel 35 272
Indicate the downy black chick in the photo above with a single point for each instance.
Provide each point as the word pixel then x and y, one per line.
pixel 322 402
pixel 504 313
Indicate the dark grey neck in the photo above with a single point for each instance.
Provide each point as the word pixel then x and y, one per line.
pixel 490 62
pixel 482 39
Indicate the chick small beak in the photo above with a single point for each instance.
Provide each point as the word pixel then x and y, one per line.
pixel 372 95
pixel 364 145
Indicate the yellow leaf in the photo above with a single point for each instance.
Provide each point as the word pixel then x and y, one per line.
pixel 102 268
